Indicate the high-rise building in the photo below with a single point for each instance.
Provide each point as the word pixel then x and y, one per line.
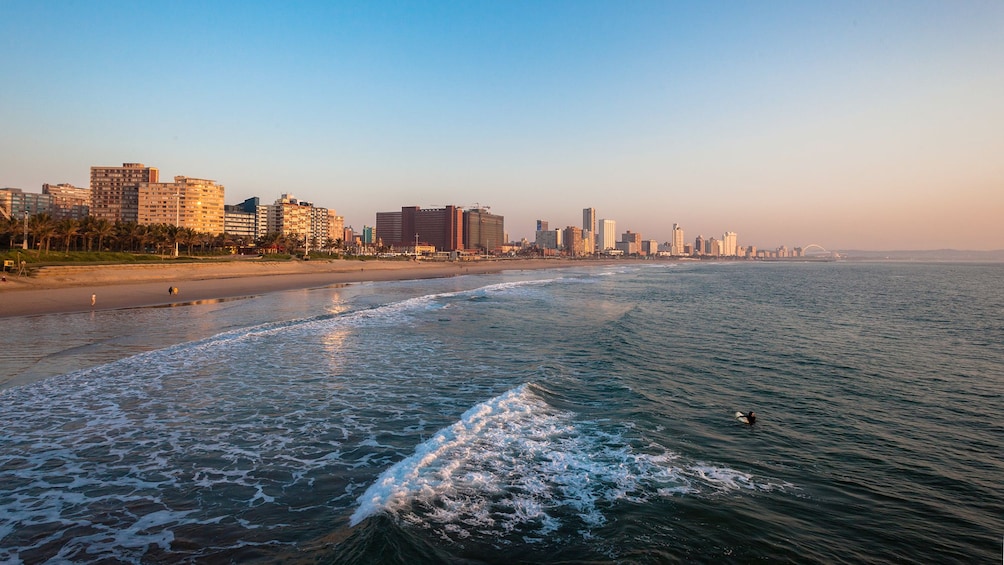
pixel 699 245
pixel 68 201
pixel 115 191
pixel 290 218
pixel 320 227
pixel 240 223
pixel 676 245
pixel 630 243
pixel 483 231
pixel 441 228
pixel 247 220
pixel 187 202
pixel 607 236
pixel 713 247
pixel 388 228
pixel 260 211
pixel 730 244
pixel 574 243
pixel 336 225
pixel 368 236
pixel 15 203
pixel 544 237
pixel 589 225
pixel 548 239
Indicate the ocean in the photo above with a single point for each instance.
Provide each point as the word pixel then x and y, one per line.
pixel 567 415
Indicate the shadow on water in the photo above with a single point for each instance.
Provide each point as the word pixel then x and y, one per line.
pixel 197 302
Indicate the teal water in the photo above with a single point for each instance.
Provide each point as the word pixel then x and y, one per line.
pixel 570 415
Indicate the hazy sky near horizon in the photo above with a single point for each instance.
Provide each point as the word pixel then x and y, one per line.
pixel 854 125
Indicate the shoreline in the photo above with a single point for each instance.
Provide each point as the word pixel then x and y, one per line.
pixel 69 289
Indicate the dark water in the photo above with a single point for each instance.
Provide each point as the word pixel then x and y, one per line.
pixel 573 415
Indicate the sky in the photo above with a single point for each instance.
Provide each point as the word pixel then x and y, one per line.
pixel 851 125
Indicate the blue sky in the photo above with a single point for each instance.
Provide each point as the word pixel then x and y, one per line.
pixel 868 125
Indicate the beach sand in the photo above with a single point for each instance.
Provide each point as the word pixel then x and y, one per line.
pixel 68 289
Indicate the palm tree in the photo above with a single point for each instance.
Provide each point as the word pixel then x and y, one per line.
pixel 102 228
pixel 68 229
pixel 126 233
pixel 190 238
pixel 159 235
pixel 174 234
pixel 86 226
pixel 226 241
pixel 295 242
pixel 149 234
pixel 8 228
pixel 205 241
pixel 44 228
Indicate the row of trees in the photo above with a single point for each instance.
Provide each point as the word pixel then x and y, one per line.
pixel 91 234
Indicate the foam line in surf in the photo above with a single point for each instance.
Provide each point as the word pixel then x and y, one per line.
pixel 516 465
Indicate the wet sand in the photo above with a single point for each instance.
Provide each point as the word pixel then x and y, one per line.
pixel 55 290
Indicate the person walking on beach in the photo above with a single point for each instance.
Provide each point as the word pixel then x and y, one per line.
pixel 94 298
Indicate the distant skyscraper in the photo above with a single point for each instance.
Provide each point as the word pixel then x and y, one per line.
pixel 115 191
pixel 441 228
pixel 573 241
pixel 541 225
pixel 336 226
pixel 630 243
pixel 548 239
pixel 730 244
pixel 699 245
pixel 606 236
pixel 676 246
pixel 589 225
pixel 483 230
pixel 589 219
pixel 388 228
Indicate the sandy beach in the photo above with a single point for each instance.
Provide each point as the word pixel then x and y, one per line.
pixel 67 289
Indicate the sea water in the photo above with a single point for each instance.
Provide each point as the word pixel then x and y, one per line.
pixel 582 414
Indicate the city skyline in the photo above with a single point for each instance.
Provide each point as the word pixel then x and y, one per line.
pixel 154 202
pixel 850 125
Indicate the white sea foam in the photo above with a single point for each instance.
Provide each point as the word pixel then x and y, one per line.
pixel 516 465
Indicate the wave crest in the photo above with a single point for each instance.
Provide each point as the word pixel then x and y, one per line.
pixel 514 465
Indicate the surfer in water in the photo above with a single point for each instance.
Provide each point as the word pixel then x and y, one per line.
pixel 751 418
